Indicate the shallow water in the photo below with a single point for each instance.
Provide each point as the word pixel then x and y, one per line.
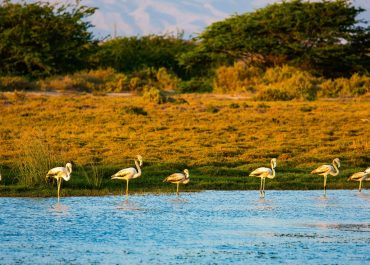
pixel 212 227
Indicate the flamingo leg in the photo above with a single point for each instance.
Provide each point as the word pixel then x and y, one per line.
pixel 325 185
pixel 59 182
pixel 261 193
pixel 177 190
pixel 264 183
pixel 127 189
pixel 359 188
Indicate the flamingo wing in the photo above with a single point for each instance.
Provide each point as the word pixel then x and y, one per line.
pixel 357 176
pixel 322 169
pixel 261 172
pixel 176 177
pixel 125 173
pixel 57 172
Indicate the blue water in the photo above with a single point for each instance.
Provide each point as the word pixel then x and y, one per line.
pixel 212 227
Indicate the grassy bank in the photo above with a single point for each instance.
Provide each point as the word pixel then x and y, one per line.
pixel 220 139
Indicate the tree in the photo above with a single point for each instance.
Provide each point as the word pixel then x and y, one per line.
pixel 311 35
pixel 40 39
pixel 128 54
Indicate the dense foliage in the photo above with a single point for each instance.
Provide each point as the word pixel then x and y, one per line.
pixel 129 54
pixel 40 39
pixel 310 35
pixel 319 46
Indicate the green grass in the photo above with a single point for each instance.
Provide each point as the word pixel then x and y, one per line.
pixel 220 148
pixel 202 178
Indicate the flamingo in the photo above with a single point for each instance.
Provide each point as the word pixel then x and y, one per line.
pixel 60 173
pixel 360 176
pixel 178 178
pixel 129 173
pixel 325 170
pixel 263 173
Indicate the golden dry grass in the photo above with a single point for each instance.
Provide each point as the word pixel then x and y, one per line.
pixel 219 138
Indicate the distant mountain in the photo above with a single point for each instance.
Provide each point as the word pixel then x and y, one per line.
pixel 142 17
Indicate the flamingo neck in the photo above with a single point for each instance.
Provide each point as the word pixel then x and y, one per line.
pixel 273 169
pixel 138 169
pixel 69 169
pixel 336 169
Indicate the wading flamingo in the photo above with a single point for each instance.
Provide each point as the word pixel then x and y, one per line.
pixel 263 173
pixel 60 173
pixel 360 176
pixel 129 173
pixel 325 170
pixel 178 178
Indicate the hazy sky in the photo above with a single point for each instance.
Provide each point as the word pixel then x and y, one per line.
pixel 142 17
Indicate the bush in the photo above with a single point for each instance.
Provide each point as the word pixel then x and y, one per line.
pixel 134 110
pixel 360 84
pixel 279 74
pixel 154 95
pixel 356 85
pixel 195 85
pixel 11 83
pixel 103 80
pixel 165 80
pixel 236 78
pixel 273 94
pixel 331 88
pixel 286 83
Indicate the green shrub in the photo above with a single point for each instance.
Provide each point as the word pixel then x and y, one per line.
pixel 118 83
pixel 103 80
pixel 236 78
pixel 306 108
pixel 11 83
pixel 154 95
pixel 165 80
pixel 234 106
pixel 273 94
pixel 304 86
pixel 195 85
pixel 360 84
pixel 356 85
pixel 286 83
pixel 212 109
pixel 279 74
pixel 329 88
pixel 135 110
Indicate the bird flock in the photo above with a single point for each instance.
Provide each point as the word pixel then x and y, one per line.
pixel 64 173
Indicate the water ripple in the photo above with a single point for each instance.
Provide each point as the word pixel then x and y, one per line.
pixel 212 227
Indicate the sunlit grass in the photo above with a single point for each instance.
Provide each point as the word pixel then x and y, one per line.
pixel 220 148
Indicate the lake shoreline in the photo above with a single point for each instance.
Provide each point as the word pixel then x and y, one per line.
pixel 42 193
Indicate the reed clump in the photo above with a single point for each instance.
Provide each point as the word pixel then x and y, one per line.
pixel 34 161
